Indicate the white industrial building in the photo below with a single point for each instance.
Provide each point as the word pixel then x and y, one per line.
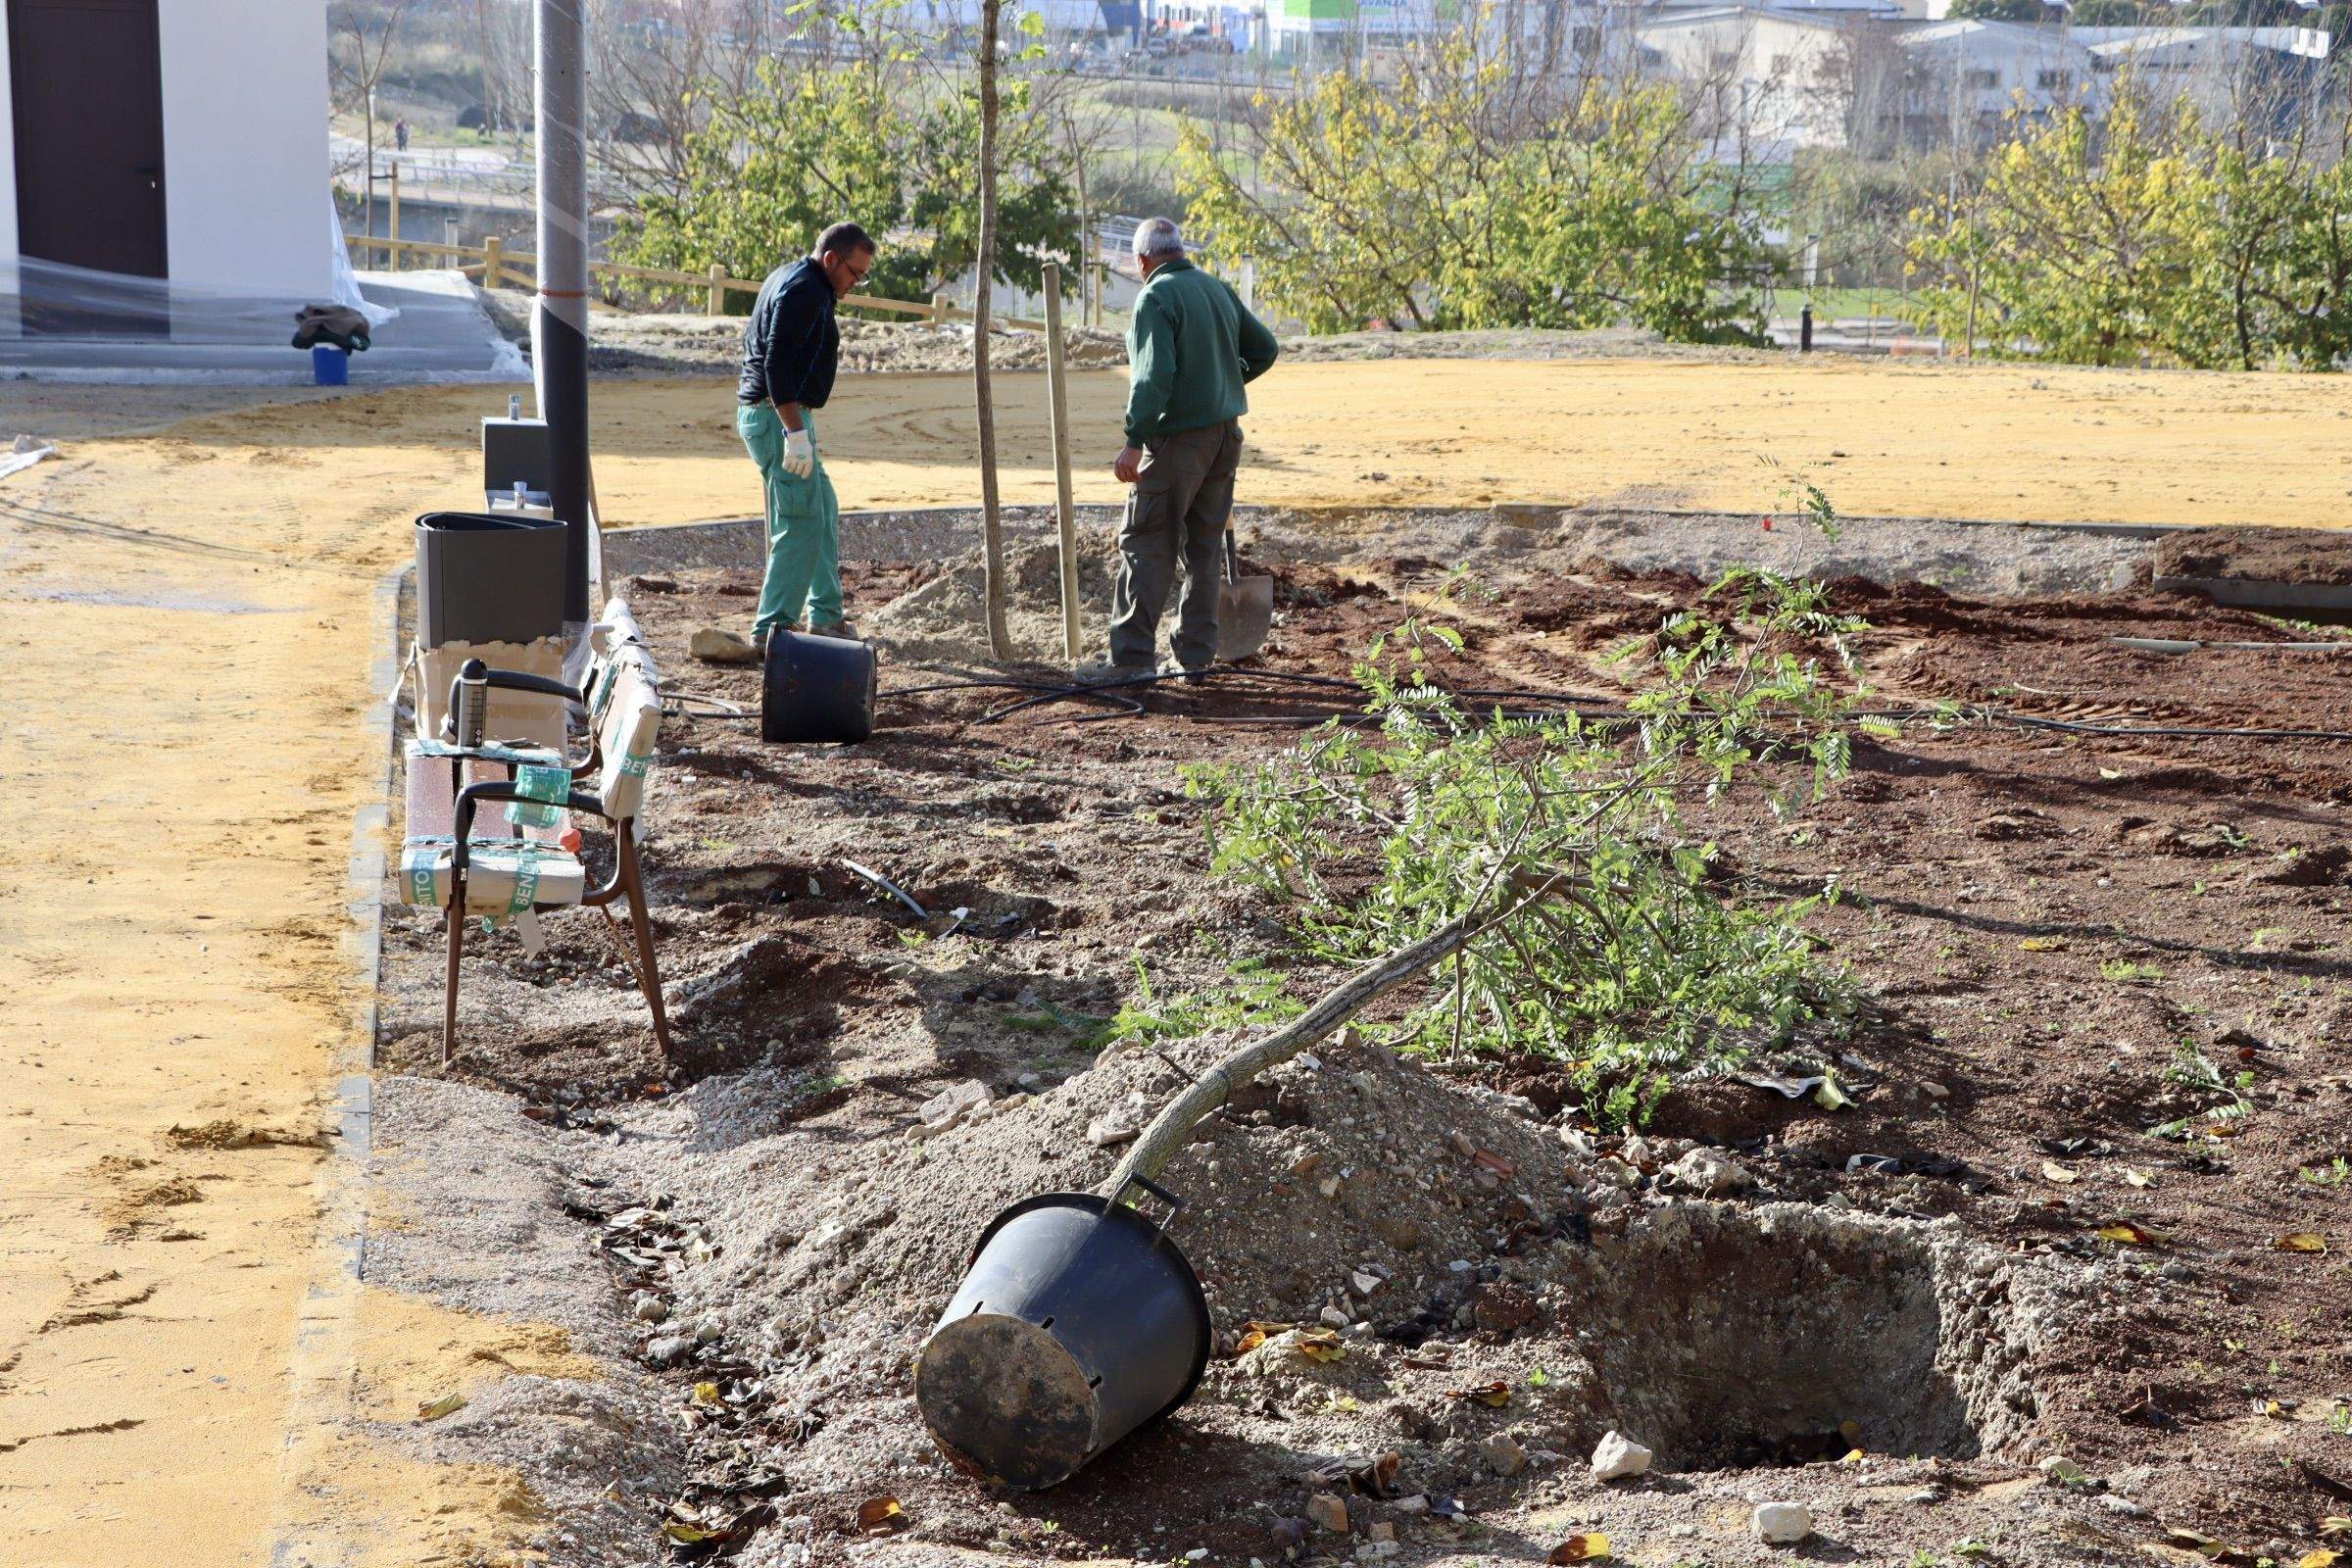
pixel 162 162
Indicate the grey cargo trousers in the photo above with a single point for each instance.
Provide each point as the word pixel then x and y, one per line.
pixel 1181 504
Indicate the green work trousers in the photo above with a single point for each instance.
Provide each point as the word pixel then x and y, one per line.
pixel 803 527
pixel 1179 509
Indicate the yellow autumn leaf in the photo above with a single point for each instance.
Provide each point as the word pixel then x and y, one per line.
pixel 435 1410
pixel 1321 1344
pixel 2302 1242
pixel 1255 1334
pixel 2138 1178
pixel 2125 1233
pixel 2336 1523
pixel 2324 1557
pixel 686 1535
pixel 1591 1546
pixel 878 1515
pixel 2043 944
pixel 705 1394
pixel 1497 1393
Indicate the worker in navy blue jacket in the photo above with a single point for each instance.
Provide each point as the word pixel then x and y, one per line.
pixel 789 349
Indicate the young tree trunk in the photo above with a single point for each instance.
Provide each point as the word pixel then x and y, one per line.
pixel 992 527
pixel 1172 1128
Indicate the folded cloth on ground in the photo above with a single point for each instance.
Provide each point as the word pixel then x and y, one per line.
pixel 337 325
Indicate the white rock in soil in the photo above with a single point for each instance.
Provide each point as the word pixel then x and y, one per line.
pixel 1332 1317
pixel 1617 1456
pixel 1372 1549
pixel 1504 1455
pixel 647 1307
pixel 718 646
pixel 1363 1283
pixel 1110 1130
pixel 1779 1524
pixel 1704 1171
pixel 1419 1503
pixel 950 1105
pixel 668 1348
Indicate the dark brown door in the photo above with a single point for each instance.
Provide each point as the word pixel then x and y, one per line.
pixel 87 79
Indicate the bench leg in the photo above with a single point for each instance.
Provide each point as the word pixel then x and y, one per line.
pixel 649 977
pixel 456 921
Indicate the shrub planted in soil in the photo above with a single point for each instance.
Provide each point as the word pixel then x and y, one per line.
pixel 1373 835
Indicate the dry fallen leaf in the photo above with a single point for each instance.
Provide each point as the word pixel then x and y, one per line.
pixel 2203 1545
pixel 2138 1178
pixel 2125 1233
pixel 879 1516
pixel 435 1410
pixel 1255 1334
pixel 2302 1242
pixel 686 1535
pixel 2043 944
pixel 2059 1173
pixel 1588 1548
pixel 705 1394
pixel 2336 1523
pixel 1321 1344
pixel 1497 1393
pixel 2324 1557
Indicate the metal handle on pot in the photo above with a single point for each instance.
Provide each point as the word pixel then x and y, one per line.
pixel 1175 1204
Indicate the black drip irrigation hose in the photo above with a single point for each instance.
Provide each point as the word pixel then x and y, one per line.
pixel 1045 693
pixel 1571 704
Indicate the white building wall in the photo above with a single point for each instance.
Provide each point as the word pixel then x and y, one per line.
pixel 8 176
pixel 245 161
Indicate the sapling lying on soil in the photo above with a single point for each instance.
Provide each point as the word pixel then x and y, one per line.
pixel 1373 836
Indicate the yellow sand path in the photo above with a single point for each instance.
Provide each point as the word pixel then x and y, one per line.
pixel 184 647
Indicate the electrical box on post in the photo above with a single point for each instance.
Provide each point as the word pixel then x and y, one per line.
pixel 515 451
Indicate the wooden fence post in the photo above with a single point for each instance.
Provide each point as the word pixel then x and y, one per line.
pixel 491 261
pixel 1057 407
pixel 939 309
pixel 718 288
pixel 392 228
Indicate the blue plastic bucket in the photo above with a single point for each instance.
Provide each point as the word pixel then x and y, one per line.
pixel 330 366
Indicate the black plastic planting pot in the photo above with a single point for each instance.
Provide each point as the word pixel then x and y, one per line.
pixel 816 688
pixel 488 580
pixel 1078 1322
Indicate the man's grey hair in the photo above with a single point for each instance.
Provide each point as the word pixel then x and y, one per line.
pixel 1159 236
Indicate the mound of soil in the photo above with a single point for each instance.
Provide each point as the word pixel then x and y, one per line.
pixel 2270 555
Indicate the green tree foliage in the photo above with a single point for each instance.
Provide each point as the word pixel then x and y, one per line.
pixel 1460 196
pixel 768 170
pixel 2145 235
pixel 1647 962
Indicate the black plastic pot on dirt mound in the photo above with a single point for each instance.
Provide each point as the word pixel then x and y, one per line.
pixel 816 689
pixel 1078 1322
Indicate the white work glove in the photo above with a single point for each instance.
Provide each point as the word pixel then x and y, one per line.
pixel 800 453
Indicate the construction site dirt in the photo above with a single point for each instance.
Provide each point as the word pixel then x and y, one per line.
pixel 1893 1312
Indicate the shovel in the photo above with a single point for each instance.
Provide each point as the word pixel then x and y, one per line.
pixel 1245 610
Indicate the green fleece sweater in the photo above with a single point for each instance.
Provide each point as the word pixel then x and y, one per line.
pixel 1190 346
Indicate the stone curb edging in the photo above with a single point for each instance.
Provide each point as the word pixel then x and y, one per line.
pixel 324 1368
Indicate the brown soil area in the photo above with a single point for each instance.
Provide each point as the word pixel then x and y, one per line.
pixel 2253 552
pixel 2041 920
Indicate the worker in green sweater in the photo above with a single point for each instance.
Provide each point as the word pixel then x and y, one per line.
pixel 1190 346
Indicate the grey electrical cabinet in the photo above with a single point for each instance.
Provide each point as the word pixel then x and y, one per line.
pixel 488 580
pixel 516 452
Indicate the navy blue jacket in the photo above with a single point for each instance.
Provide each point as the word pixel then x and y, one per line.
pixel 789 345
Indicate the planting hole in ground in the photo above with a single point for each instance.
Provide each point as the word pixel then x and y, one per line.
pixel 1725 1339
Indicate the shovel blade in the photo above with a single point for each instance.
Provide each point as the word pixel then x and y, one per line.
pixel 1245 615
